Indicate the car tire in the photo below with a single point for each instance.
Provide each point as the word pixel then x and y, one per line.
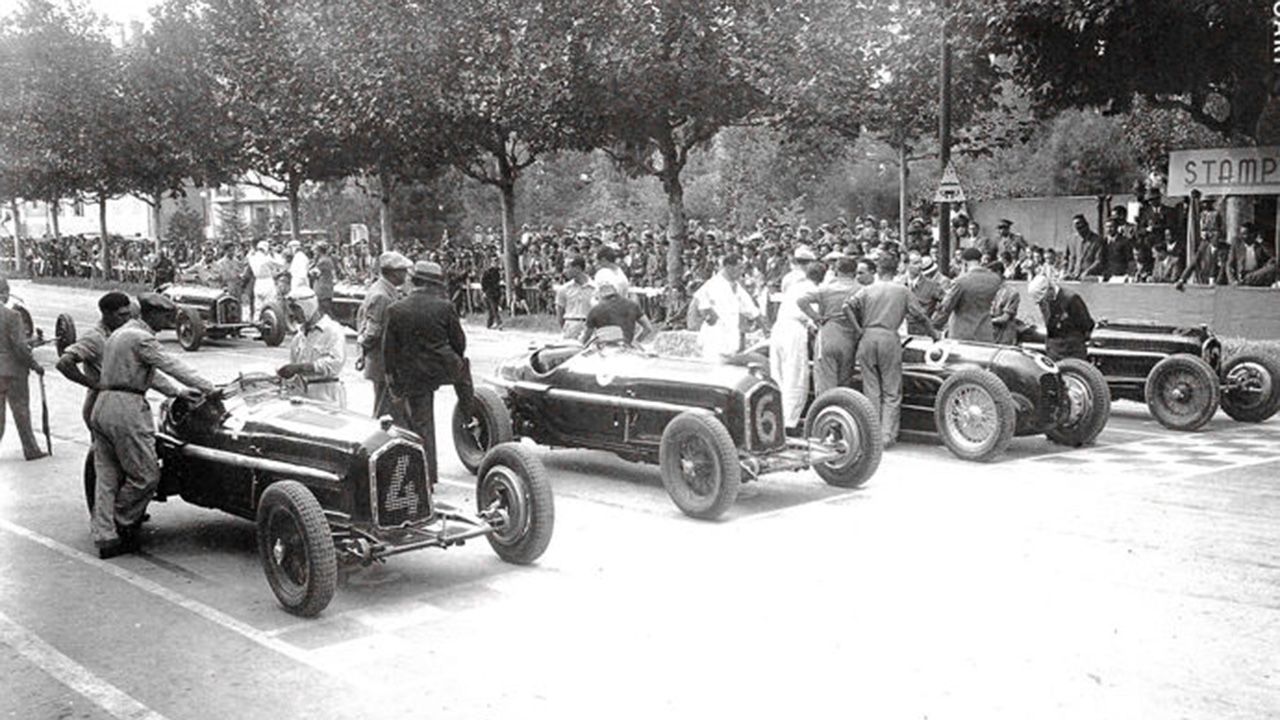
pixel 513 479
pixel 1250 390
pixel 272 326
pixel 843 414
pixel 190 329
pixel 64 333
pixel 90 481
pixel 296 548
pixel 1086 385
pixel 1182 392
pixel 975 415
pixel 489 425
pixel 28 325
pixel 708 490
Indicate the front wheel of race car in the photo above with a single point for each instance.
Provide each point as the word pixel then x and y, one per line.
pixel 296 547
pixel 190 328
pixel 272 325
pixel 486 425
pixel 1182 392
pixel 975 415
pixel 844 419
pixel 1089 404
pixel 1251 388
pixel 513 484
pixel 64 332
pixel 699 465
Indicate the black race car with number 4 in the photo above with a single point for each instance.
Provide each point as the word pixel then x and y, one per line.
pixel 203 312
pixel 328 487
pixel 1178 372
pixel 709 427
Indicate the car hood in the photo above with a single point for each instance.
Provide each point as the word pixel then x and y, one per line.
pixel 191 293
pixel 606 365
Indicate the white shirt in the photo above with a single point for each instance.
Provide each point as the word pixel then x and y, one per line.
pixel 325 346
pixel 298 271
pixel 731 302
pixel 795 275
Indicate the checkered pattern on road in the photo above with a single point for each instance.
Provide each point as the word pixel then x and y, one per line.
pixel 1177 454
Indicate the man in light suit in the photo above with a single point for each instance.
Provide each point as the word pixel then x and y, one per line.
pixel 968 302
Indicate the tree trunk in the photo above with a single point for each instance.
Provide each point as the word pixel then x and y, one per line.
pixel 677 226
pixel 510 265
pixel 295 230
pixel 105 248
pixel 19 258
pixel 157 217
pixel 385 219
pixel 53 219
pixel 904 172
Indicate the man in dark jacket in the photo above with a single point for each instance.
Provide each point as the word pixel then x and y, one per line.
pixel 968 303
pixel 15 363
pixel 1067 322
pixel 424 347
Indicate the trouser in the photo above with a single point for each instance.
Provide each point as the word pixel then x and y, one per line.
pixel 1070 346
pixel 836 347
pixel 264 294
pixel 385 404
pixel 18 392
pixel 422 420
pixel 789 365
pixel 880 355
pixel 491 305
pixel 124 460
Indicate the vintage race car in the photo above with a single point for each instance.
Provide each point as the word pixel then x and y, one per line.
pixel 976 397
pixel 203 312
pixel 709 427
pixel 1178 372
pixel 328 487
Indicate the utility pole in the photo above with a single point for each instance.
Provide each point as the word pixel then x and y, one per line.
pixel 944 146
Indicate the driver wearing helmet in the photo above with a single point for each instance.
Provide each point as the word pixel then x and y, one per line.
pixel 318 351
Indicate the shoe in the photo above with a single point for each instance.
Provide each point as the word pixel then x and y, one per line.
pixel 116 548
pixel 39 454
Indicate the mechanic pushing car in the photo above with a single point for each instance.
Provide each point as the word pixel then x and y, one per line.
pixel 124 435
pixel 318 351
pixel 81 362
pixel 424 347
pixel 1067 322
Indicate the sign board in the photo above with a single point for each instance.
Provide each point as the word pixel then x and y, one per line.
pixel 359 233
pixel 949 189
pixel 1225 171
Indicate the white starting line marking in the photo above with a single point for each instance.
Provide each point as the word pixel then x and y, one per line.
pixel 206 612
pixel 110 698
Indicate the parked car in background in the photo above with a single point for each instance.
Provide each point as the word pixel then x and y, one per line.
pixel 1178 372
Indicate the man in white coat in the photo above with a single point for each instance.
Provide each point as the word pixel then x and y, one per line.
pixel 789 348
pixel 723 303
pixel 299 267
pixel 264 268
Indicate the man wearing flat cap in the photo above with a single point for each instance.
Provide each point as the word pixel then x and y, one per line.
pixel 318 350
pixel 424 347
pixel 1008 241
pixel 124 442
pixel 371 318
pixel 967 303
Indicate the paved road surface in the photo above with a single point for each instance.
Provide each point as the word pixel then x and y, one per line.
pixel 1133 579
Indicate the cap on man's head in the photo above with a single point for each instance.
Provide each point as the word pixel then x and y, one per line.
pixel 1039 286
pixel 112 302
pixel 606 289
pixel 804 253
pixel 301 293
pixel 392 260
pixel 155 302
pixel 927 266
pixel 425 272
pixel 263 246
pixel 1004 223
pixel 971 254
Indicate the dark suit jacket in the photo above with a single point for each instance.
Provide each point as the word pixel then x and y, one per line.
pixel 15 354
pixel 423 344
pixel 968 306
pixel 1066 316
pixel 929 293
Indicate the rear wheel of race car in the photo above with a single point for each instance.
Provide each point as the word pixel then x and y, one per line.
pixel 699 464
pixel 90 481
pixel 513 483
pixel 975 415
pixel 1251 388
pixel 1182 392
pixel 844 418
pixel 488 424
pixel 1089 404
pixel 296 547
pixel 28 326
pixel 64 332
pixel 190 329
pixel 272 325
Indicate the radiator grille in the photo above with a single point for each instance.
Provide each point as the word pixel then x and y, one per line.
pixel 398 482
pixel 228 311
pixel 766 418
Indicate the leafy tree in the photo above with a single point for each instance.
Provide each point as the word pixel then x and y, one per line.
pixel 186 226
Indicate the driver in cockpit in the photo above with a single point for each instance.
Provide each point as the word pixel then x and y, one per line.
pixel 318 351
pixel 617 310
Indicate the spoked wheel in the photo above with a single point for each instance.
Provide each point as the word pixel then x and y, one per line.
pixel 488 424
pixel 975 415
pixel 1249 388
pixel 1088 404
pixel 190 330
pixel 514 492
pixel 843 418
pixel 1182 392
pixel 699 464
pixel 296 548
pixel 64 332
